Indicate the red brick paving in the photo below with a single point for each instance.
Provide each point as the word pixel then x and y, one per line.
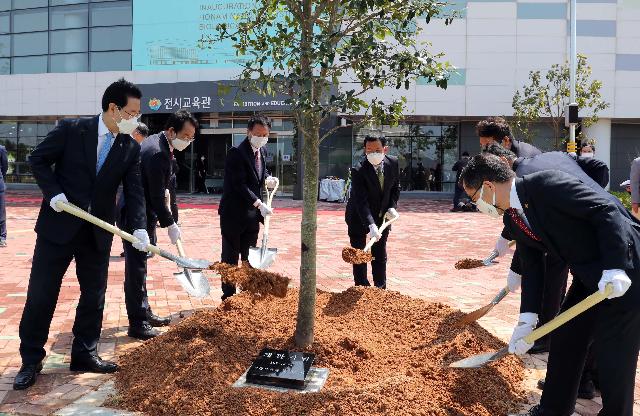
pixel 424 245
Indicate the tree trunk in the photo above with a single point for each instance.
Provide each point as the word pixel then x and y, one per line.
pixel 307 298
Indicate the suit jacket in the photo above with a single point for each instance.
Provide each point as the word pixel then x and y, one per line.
pixel 243 185
pixel 368 200
pixel 71 147
pixel 579 224
pixel 591 172
pixel 523 149
pixel 4 167
pixel 155 156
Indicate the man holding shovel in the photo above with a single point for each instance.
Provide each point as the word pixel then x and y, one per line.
pixel 552 211
pixel 155 155
pixel 92 157
pixel 375 189
pixel 241 208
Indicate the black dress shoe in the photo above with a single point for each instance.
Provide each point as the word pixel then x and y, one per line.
pixel 27 375
pixel 143 332
pixel 92 364
pixel 587 389
pixel 155 320
pixel 535 411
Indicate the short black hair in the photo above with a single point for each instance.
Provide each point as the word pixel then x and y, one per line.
pixel 119 93
pixel 588 144
pixel 369 139
pixel 465 153
pixel 259 119
pixel 497 150
pixel 177 120
pixel 496 127
pixel 143 130
pixel 485 167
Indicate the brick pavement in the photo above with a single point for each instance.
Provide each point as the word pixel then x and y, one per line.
pixel 423 247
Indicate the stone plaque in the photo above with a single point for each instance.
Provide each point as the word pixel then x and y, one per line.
pixel 280 368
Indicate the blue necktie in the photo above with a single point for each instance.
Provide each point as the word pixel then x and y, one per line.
pixel 104 151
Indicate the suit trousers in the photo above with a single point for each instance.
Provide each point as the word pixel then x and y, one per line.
pixel 3 216
pixel 135 280
pixel 236 240
pixel 613 332
pixel 50 262
pixel 378 265
pixel 555 285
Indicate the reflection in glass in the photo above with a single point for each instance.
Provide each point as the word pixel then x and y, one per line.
pixel 31 44
pixel 30 20
pixel 71 62
pixel 75 40
pixel 69 17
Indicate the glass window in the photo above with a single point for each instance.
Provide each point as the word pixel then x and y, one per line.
pixel 29 4
pixel 5 46
pixel 30 20
pixel 69 17
pixel 5 66
pixel 75 40
pixel 30 44
pixel 71 62
pixel 5 5
pixel 4 22
pixel 111 14
pixel 110 61
pixel 30 65
pixel 61 2
pixel 111 38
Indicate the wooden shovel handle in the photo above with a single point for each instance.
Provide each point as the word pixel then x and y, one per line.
pixel 74 210
pixel 569 314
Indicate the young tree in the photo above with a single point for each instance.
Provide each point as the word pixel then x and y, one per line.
pixel 326 55
pixel 546 96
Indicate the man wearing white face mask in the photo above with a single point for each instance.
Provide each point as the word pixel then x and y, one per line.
pixel 375 189
pixel 91 157
pixel 241 209
pixel 155 155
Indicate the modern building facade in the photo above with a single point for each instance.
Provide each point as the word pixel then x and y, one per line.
pixel 57 56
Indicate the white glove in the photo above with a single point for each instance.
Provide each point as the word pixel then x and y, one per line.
pixel 513 281
pixel 271 182
pixel 374 232
pixel 143 240
pixel 502 246
pixel 619 280
pixel 392 213
pixel 264 209
pixel 54 202
pixel 526 324
pixel 174 233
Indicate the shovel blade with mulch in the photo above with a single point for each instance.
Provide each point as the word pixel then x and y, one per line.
pixel 255 281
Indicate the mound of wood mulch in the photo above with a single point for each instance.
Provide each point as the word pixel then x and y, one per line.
pixel 356 256
pixel 387 354
pixel 468 264
pixel 257 282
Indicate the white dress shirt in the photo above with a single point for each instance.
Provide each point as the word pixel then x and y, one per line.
pixel 514 202
pixel 102 135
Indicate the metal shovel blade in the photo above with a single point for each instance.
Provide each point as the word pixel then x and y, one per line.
pixel 471 317
pixel 194 264
pixel 260 258
pixel 480 360
pixel 193 282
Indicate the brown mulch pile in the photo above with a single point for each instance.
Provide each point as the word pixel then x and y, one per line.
pixel 256 281
pixel 387 354
pixel 468 264
pixel 356 256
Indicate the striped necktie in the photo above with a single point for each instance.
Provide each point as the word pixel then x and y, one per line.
pixel 513 213
pixel 380 176
pixel 104 151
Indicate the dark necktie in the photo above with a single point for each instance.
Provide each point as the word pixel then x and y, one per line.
pixel 258 163
pixel 513 213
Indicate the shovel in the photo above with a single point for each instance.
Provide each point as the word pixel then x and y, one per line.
pixel 192 281
pixel 479 313
pixel 494 255
pixel 180 261
pixel 263 257
pixel 481 360
pixel 357 256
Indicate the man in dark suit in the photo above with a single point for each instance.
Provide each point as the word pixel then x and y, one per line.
pixel 91 157
pixel 582 224
pixel 375 189
pixel 155 154
pixel 201 175
pixel 497 130
pixel 4 166
pixel 241 208
pixel 457 190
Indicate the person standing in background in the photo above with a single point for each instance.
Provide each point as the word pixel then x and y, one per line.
pixel 588 150
pixel 634 178
pixel 457 188
pixel 201 175
pixel 4 166
pixel 497 130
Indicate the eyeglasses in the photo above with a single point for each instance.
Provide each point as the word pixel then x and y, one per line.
pixel 135 116
pixel 474 194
